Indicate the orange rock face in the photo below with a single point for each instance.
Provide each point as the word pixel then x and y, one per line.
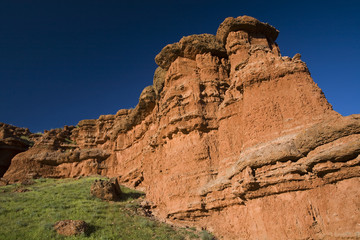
pixel 13 140
pixel 231 137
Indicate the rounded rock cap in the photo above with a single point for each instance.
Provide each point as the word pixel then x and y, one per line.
pixel 189 47
pixel 246 23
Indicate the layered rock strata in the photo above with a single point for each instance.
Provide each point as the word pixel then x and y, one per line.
pixel 13 140
pixel 54 154
pixel 231 137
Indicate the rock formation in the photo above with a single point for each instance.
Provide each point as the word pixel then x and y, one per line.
pixel 106 190
pixel 232 137
pixel 54 154
pixel 13 140
pixel 71 227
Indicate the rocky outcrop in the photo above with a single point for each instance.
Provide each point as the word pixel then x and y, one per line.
pixel 232 137
pixel 247 24
pixel 54 154
pixel 13 140
pixel 189 47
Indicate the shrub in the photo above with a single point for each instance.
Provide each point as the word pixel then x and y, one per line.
pixel 205 235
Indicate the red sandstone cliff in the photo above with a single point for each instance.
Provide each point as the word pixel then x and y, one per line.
pixel 231 137
pixel 13 140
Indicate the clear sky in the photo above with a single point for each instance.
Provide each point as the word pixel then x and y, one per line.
pixel 63 61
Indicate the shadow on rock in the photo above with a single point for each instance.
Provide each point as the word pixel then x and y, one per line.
pixel 132 195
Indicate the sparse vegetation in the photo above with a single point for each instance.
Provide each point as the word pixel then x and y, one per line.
pixel 32 214
pixel 205 235
pixel 27 139
pixel 69 141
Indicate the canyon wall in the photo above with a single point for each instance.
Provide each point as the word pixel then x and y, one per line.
pixel 231 137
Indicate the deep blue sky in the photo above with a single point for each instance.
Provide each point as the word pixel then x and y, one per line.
pixel 63 61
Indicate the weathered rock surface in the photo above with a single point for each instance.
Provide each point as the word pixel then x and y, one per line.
pixel 54 154
pixel 189 47
pixel 13 140
pixel 159 80
pixel 247 24
pixel 106 190
pixel 232 137
pixel 71 227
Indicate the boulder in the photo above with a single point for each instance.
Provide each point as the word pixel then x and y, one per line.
pixel 71 227
pixel 106 190
pixel 159 80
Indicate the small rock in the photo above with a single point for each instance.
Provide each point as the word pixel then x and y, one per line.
pixel 3 182
pixel 296 57
pixel 27 182
pixel 71 227
pixel 145 209
pixel 21 190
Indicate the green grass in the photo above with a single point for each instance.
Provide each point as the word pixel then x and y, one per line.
pixel 70 141
pixel 205 235
pixel 32 214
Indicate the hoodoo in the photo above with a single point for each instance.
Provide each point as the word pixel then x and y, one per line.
pixel 231 137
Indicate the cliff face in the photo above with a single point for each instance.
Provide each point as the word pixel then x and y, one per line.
pixel 13 140
pixel 231 137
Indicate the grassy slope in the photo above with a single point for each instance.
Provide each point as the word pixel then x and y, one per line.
pixel 31 215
